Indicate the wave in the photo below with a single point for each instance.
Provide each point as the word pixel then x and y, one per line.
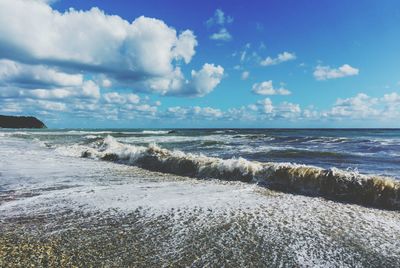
pixel 290 153
pixel 14 134
pixel 334 184
pixel 155 132
pixel 92 137
pixel 211 143
pixel 225 131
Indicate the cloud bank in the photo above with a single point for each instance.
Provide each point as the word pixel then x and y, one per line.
pixel 139 54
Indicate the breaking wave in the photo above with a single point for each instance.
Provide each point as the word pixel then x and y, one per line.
pixel 334 184
pixel 155 132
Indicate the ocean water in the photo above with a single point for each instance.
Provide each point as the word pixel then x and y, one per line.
pixel 369 151
pixel 274 197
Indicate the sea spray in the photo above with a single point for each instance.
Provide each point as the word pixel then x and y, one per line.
pixel 335 184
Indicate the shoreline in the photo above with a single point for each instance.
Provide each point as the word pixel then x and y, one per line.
pixel 73 211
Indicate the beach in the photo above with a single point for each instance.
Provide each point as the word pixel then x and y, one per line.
pixel 59 210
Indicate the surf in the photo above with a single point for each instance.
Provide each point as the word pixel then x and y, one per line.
pixel 334 184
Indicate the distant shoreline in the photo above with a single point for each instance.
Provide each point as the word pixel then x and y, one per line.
pixel 26 122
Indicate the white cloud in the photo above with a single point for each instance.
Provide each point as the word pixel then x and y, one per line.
pixel 106 83
pixel 245 75
pixel 311 113
pixel 364 107
pixel 393 97
pixel 326 72
pixel 208 112
pixel 222 35
pixel 243 55
pixel 133 55
pixel 116 106
pixel 143 108
pixel 10 107
pixel 90 39
pixel 87 90
pixel 90 89
pixel 118 98
pixel 195 112
pixel 288 110
pixel 219 18
pixel 52 94
pixel 266 88
pixel 268 110
pixel 266 105
pixel 23 75
pixel 282 57
pixel 51 105
pixel 203 81
pixel 185 46
pixel 47 1
pixel 360 106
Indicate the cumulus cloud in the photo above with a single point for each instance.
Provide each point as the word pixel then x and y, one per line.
pixel 288 110
pixel 266 88
pixel 65 43
pixel 326 72
pixel 366 107
pixel 393 98
pixel 358 107
pixel 265 105
pixel 110 106
pixel 282 57
pixel 90 39
pixel 285 109
pixel 42 82
pixel 23 75
pixel 267 110
pixel 205 80
pixel 201 83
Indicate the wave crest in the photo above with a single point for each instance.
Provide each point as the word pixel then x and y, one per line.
pixel 335 184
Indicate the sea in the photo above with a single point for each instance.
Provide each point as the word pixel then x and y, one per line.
pixel 203 197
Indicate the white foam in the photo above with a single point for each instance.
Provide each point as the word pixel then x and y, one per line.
pixel 155 132
pixel 318 232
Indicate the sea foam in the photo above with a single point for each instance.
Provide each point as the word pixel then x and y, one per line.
pixel 334 184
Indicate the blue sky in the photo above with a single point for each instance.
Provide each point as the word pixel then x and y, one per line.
pixel 201 63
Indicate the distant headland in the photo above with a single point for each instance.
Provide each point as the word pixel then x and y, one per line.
pixel 20 122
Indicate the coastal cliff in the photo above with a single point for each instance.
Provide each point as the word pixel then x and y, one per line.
pixel 20 122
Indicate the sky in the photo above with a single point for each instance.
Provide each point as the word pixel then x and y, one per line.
pixel 197 64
